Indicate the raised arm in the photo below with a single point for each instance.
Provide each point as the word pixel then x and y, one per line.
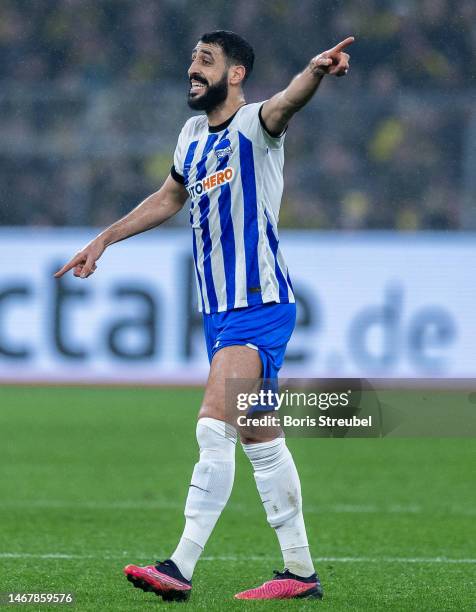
pixel 278 110
pixel 150 213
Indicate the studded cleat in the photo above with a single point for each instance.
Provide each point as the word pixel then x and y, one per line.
pixel 164 579
pixel 285 585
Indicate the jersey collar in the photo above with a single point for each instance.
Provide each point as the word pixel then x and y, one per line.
pixel 218 128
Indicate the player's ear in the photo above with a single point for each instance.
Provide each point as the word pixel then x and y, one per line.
pixel 236 74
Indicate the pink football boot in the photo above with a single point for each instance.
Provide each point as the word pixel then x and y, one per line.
pixel 285 585
pixel 164 579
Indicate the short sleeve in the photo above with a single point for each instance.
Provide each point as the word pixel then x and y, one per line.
pixel 177 171
pixel 252 125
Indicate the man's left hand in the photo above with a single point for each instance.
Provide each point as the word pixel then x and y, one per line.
pixel 334 61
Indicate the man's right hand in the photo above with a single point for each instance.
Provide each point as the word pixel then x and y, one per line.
pixel 153 211
pixel 84 262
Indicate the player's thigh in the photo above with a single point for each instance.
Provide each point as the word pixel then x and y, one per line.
pixel 236 369
pixel 240 363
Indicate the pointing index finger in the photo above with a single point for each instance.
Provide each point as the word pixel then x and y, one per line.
pixel 69 266
pixel 342 45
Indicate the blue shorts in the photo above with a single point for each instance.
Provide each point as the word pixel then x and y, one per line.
pixel 264 327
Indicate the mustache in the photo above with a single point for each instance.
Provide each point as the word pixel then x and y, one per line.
pixel 197 77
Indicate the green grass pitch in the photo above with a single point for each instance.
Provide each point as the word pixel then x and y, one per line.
pixel 92 479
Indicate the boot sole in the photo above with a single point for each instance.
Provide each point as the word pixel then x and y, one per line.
pixel 167 594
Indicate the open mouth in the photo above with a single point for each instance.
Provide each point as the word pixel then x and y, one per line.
pixel 197 87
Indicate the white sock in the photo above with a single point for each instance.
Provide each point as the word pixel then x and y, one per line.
pixel 186 556
pixel 212 482
pixel 279 487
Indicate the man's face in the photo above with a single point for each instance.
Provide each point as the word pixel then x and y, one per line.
pixel 208 77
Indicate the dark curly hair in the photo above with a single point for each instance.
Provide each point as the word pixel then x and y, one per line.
pixel 235 48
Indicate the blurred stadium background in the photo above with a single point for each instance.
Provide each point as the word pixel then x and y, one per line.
pixel 379 201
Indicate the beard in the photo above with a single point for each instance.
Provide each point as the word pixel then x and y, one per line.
pixel 214 95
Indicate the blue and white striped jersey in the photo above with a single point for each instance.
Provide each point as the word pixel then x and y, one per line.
pixel 234 176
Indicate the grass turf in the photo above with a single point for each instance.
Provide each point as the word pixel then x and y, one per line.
pixel 100 476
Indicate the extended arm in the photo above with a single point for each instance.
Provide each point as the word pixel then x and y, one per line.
pixel 278 110
pixel 153 211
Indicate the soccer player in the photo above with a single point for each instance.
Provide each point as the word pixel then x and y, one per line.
pixel 229 163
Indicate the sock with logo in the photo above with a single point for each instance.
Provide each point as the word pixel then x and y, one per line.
pixel 210 489
pixel 279 487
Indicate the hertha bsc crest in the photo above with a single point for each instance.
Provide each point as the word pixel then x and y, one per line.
pixel 223 148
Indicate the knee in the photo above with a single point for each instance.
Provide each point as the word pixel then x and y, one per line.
pixel 216 440
pixel 211 410
pixel 255 438
pixel 267 456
